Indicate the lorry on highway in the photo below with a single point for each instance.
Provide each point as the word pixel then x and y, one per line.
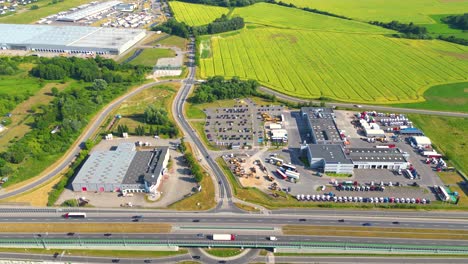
pixel 272 238
pixel 223 237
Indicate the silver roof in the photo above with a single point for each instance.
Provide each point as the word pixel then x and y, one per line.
pixel 88 11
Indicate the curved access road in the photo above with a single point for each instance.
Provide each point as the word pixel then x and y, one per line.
pixel 373 107
pixel 73 152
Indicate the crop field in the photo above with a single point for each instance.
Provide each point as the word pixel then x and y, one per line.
pixel 196 15
pixel 45 9
pixel 346 67
pixel 416 11
pixel 284 17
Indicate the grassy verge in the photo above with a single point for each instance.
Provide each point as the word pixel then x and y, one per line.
pixel 173 41
pixel 98 253
pixel 202 200
pixel 283 200
pixel 247 207
pixel 85 227
pixel 375 232
pixel 149 57
pixel 223 252
pixel 200 128
pixel 448 135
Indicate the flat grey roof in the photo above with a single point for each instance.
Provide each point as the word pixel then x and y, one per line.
pixel 106 166
pixel 71 36
pixel 322 122
pixel 331 153
pixel 88 11
pixel 146 166
pixel 375 154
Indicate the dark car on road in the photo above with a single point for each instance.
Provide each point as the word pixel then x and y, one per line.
pixel 196 257
pixel 200 235
pixel 115 260
pixel 341 220
pixel 367 224
pixel 56 254
pixel 70 234
pixel 395 222
pixel 302 220
pixel 107 234
pixel 147 261
pixel 195 220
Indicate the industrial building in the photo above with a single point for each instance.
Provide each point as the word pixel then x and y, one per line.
pixel 321 125
pixel 69 39
pixel 329 158
pixel 123 170
pixel 88 11
pixel 371 129
pixel 421 141
pixel 378 158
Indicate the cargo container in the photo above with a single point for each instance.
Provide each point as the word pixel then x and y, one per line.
pixel 223 237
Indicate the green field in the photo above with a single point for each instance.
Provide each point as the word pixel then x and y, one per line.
pixel 45 9
pixel 440 28
pixel 284 17
pixel 345 67
pixel 19 84
pixel 416 11
pixel 445 97
pixel 448 134
pixel 149 57
pixel 196 15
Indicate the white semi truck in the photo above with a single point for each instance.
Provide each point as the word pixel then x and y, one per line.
pixel 224 237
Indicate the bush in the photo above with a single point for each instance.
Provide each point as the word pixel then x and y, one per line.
pixel 70 203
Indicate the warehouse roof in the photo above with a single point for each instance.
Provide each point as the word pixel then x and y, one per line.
pixel 106 166
pixel 72 36
pixel 332 153
pixel 88 11
pixel 146 166
pixel 376 154
pixel 322 123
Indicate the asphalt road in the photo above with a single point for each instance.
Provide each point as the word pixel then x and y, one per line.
pixel 90 130
pixel 242 221
pixel 359 260
pixel 367 107
pixel 244 239
pixel 224 187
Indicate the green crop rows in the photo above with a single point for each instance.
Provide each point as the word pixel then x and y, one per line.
pixel 196 15
pixel 348 67
pixel 416 11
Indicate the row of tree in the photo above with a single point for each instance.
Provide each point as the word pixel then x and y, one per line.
pixel 217 88
pixel 307 9
pixel 409 29
pixel 219 25
pixel 457 21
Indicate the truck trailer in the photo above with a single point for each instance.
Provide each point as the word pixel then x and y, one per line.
pixel 224 237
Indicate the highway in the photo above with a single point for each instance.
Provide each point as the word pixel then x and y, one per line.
pixel 382 108
pixel 238 220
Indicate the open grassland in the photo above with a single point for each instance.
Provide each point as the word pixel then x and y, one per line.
pixel 448 134
pixel 174 41
pixel 149 57
pixel 416 11
pixel 85 227
pixel 375 232
pixel 445 97
pixel 132 110
pixel 284 17
pixel 345 67
pixel 45 9
pixel 20 83
pixel 196 15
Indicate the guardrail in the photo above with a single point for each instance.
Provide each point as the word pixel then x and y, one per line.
pixel 135 243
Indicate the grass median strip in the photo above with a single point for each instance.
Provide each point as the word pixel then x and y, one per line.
pixel 85 227
pixel 224 252
pixel 98 253
pixel 376 232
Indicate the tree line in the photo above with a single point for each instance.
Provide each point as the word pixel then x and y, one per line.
pixel 219 25
pixel 307 9
pixel 217 88
pixel 457 21
pixel 69 111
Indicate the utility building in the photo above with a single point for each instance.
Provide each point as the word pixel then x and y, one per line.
pixel 123 169
pixel 329 158
pixel 377 158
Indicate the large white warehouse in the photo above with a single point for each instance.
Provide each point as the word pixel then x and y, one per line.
pixel 73 39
